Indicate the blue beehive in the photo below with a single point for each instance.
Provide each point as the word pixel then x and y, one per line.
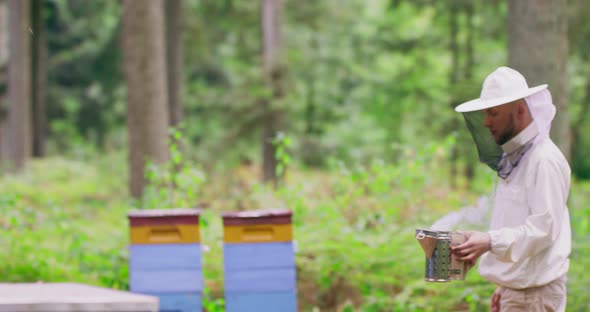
pixel 165 257
pixel 259 261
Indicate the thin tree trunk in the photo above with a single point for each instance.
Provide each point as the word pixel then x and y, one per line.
pixel 310 104
pixel 19 85
pixel 538 48
pixel 272 45
pixel 39 78
pixel 147 95
pixel 469 66
pixel 174 56
pixel 454 80
pixel 3 34
pixel 579 150
pixel 4 56
pixel 310 108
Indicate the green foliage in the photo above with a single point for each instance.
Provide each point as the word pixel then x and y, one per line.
pixel 85 102
pixel 367 228
pixel 282 143
pixel 354 230
pixel 369 102
pixel 210 304
pixel 49 217
pixel 360 76
pixel 175 183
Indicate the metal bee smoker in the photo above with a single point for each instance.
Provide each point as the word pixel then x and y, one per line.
pixel 441 264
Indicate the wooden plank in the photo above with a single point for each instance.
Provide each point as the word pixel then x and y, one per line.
pixel 165 256
pixel 166 281
pixel 259 233
pixel 65 297
pixel 248 256
pixel 253 217
pixel 165 234
pixel 188 302
pixel 261 302
pixel 260 280
pixel 158 213
pixel 163 217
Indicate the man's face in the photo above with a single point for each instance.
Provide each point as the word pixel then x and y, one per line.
pixel 501 121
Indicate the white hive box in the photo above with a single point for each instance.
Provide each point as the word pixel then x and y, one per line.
pixel 70 297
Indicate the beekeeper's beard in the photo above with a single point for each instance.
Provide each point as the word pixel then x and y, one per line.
pixel 508 132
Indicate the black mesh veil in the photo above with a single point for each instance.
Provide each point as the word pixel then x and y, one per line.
pixel 542 110
pixel 489 152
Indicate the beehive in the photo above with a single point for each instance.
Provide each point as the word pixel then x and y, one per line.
pixel 165 257
pixel 259 261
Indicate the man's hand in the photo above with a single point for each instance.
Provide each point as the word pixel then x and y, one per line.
pixel 495 304
pixel 476 244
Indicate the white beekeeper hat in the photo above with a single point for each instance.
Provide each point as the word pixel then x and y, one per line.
pixel 503 86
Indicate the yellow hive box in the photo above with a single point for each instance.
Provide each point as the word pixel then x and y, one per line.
pixel 258 233
pixel 165 234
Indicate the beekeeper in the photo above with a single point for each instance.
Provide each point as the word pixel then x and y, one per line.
pixel 526 252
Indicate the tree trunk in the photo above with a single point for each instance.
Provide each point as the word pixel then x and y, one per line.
pixel 310 108
pixel 310 104
pixel 538 48
pixel 4 55
pixel 579 149
pixel 272 62
pixel 3 34
pixel 39 78
pixel 469 66
pixel 174 58
pixel 454 80
pixel 19 85
pixel 144 59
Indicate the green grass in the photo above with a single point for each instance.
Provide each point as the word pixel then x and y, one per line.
pixel 65 220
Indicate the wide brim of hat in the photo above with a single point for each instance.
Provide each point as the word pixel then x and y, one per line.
pixel 480 104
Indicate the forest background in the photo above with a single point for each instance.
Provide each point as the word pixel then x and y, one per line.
pixel 340 110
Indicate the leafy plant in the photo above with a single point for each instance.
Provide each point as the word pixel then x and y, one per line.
pixel 175 183
pixel 282 142
pixel 212 304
